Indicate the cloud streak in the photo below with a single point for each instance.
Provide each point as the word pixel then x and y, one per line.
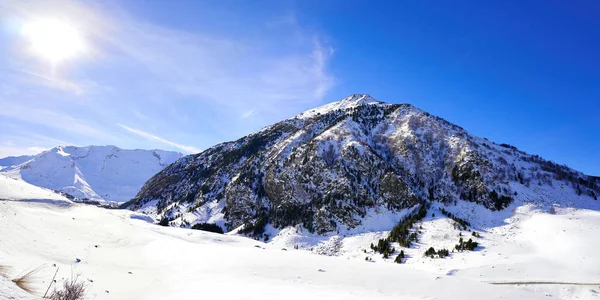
pixel 206 85
pixel 49 118
pixel 149 136
pixel 227 71
pixel 248 114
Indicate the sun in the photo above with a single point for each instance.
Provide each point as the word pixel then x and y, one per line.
pixel 53 39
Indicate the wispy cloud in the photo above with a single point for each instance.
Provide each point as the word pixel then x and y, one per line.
pixel 54 82
pixel 15 144
pixel 248 114
pixel 17 151
pixel 207 85
pixel 231 71
pixel 24 112
pixel 149 136
pixel 321 55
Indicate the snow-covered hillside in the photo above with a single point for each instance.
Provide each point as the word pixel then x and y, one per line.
pixel 124 257
pixel 94 172
pixel 15 189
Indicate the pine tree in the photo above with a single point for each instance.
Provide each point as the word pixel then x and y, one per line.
pixel 430 252
pixel 398 259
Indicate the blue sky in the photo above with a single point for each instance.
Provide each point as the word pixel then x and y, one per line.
pixel 185 75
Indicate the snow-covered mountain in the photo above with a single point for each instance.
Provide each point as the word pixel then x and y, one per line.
pixel 105 173
pixel 334 168
pixel 394 191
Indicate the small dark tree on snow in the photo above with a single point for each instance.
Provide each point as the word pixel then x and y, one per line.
pixel 164 221
pixel 430 252
pixel 400 257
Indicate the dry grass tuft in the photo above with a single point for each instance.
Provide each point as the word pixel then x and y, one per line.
pixel 26 281
pixel 72 290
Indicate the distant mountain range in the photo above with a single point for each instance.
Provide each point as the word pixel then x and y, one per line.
pixel 99 173
pixel 328 168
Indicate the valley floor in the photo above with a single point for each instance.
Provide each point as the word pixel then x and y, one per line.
pixel 124 256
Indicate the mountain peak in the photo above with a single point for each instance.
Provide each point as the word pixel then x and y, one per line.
pixel 351 101
pixel 359 99
pixel 356 100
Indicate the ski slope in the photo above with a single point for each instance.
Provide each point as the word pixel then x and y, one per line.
pixel 123 256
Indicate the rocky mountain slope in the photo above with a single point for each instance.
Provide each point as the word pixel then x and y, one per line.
pixel 100 173
pixel 328 169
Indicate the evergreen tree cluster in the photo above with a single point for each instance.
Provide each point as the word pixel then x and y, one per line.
pixel 468 245
pixel 184 223
pixel 383 247
pixel 430 252
pixel 212 227
pixel 164 221
pixel 464 223
pixel 401 232
pixel 500 202
pixel 257 227
pixel 441 253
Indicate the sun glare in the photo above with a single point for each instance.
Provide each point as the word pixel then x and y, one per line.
pixel 53 39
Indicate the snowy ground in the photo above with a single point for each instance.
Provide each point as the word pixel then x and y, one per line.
pixel 16 189
pixel 524 243
pixel 123 256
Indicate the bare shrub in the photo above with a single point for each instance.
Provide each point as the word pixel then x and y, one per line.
pixel 71 290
